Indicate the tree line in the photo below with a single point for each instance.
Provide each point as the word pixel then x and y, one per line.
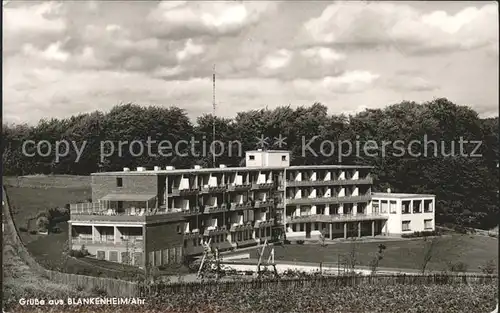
pixel 463 176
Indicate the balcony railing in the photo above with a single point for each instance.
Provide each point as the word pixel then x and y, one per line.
pixel 241 187
pixel 336 182
pixel 267 185
pixel 330 200
pixel 240 227
pixel 98 209
pixel 241 206
pixel 110 242
pixel 184 192
pixel 213 189
pixel 267 223
pixel 335 218
pixel 215 209
pixel 192 211
pixel 263 203
pixel 217 231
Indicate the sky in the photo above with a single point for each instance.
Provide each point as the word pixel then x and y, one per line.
pixel 71 57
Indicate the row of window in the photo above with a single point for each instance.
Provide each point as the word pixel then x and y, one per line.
pixel 166 256
pixel 125 257
pixel 391 207
pixel 406 225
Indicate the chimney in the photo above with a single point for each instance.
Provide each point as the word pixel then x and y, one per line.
pixel 388 190
pixel 126 169
pixel 141 169
pixel 197 167
pixel 156 168
pixel 222 166
pixel 169 168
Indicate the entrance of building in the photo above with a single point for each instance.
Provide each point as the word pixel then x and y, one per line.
pixel 308 230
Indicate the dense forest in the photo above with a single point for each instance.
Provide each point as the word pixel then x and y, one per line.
pixel 466 184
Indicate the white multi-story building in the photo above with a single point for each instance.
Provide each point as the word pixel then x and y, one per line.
pixel 157 216
pixel 406 213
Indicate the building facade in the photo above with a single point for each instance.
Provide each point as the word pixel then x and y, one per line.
pixel 406 213
pixel 158 216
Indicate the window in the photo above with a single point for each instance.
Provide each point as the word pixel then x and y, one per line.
pixel 125 258
pixel 179 255
pixel 179 230
pixel 158 259
pixel 417 206
pixel 251 157
pixel 427 206
pixel 101 255
pixel 316 226
pixel 393 206
pixel 113 256
pixel 383 206
pixel 406 207
pixel 119 182
pixel 301 226
pixel 283 158
pixel 406 226
pixel 195 242
pixel 165 256
pixel 428 224
pixel 376 207
pixel 337 225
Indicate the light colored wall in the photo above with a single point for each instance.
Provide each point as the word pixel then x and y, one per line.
pixel 394 223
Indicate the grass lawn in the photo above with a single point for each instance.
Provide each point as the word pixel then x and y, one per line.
pixel 474 251
pixel 27 202
pixel 30 195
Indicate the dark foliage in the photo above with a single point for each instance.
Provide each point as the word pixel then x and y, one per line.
pixel 466 187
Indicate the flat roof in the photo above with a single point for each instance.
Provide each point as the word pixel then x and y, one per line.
pixel 400 195
pixel 270 151
pixel 230 169
pixel 128 197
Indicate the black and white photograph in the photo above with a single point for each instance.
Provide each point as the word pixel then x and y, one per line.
pixel 250 156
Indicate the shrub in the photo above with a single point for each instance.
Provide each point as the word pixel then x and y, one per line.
pixel 42 223
pixel 99 292
pixel 489 268
pixel 300 242
pixel 33 232
pixel 286 242
pixel 82 252
pixel 56 230
pixel 23 229
pixel 458 267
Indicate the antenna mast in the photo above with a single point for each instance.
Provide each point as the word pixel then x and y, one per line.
pixel 213 118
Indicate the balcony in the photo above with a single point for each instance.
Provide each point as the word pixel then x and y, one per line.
pixel 215 209
pixel 241 206
pixel 319 218
pixel 184 192
pixel 94 212
pixel 337 182
pixel 329 200
pixel 192 235
pixel 263 204
pixel 259 186
pixel 261 224
pixel 213 189
pixel 191 211
pixel 240 227
pixel 242 187
pixel 135 242
pixel 217 231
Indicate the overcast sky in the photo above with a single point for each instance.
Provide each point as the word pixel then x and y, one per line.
pixel 72 57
